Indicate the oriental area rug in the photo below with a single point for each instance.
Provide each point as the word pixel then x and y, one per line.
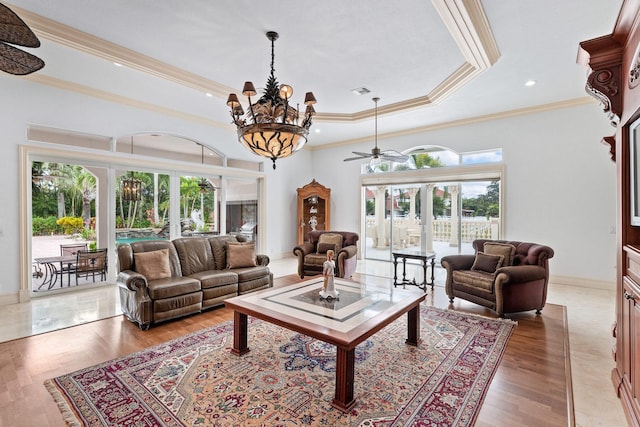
pixel 288 379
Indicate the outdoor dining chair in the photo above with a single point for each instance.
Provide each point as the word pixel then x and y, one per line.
pixel 91 263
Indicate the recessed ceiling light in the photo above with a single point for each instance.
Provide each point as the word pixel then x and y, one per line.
pixel 117 64
pixel 360 91
pixel 317 130
pixel 209 94
pixel 529 83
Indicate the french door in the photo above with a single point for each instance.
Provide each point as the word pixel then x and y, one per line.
pixel 440 216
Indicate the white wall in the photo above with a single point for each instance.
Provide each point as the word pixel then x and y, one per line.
pixel 560 183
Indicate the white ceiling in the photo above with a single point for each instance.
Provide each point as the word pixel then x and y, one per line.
pixel 402 51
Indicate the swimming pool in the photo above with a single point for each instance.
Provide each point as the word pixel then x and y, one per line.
pixel 136 239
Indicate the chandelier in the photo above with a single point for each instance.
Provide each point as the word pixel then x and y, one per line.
pixel 270 128
pixel 131 187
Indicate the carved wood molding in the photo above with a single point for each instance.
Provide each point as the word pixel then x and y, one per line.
pixel 604 85
pixel 611 142
pixel 603 56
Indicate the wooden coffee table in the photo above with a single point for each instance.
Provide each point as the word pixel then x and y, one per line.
pixel 361 311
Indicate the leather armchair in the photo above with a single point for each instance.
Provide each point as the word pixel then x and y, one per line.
pixel 518 284
pixel 310 260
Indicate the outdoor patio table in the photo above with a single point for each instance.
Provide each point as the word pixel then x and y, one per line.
pixel 54 266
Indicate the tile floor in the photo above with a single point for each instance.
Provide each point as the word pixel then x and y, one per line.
pixel 590 315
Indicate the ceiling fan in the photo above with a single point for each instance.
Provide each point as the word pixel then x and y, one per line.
pixel 13 30
pixel 376 153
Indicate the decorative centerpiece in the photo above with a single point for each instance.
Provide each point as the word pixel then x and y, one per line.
pixel 328 271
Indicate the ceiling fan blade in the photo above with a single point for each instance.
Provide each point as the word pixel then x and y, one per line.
pixel 394 156
pixel 362 154
pixel 355 158
pixel 13 29
pixel 17 62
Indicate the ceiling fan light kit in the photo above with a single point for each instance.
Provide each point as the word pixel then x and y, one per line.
pixel 270 128
pixel 377 155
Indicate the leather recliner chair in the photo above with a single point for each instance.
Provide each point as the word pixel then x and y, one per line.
pixel 313 253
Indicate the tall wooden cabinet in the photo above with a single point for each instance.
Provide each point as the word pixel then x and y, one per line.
pixel 614 79
pixel 314 209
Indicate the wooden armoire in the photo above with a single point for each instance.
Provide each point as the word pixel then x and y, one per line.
pixel 314 209
pixel 613 63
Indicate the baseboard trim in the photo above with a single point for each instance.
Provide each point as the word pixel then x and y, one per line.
pixel 7 299
pixel 582 282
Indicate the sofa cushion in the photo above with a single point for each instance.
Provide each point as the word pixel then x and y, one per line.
pixel 314 259
pixel 324 247
pixel 334 239
pixel 241 255
pixel 215 278
pixel 154 264
pixel 172 287
pixel 487 263
pixel 251 273
pixel 219 249
pixel 195 255
pixel 505 249
pixel 477 279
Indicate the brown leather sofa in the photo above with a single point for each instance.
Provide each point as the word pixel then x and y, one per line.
pixel 517 282
pixel 311 255
pixel 161 280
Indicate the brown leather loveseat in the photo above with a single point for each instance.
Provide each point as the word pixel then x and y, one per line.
pixel 313 253
pixel 161 280
pixel 505 276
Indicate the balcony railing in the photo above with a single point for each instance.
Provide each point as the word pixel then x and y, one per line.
pixel 406 231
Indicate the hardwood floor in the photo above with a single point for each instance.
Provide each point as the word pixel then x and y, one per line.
pixel 531 386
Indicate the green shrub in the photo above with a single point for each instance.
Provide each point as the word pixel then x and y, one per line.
pixel 71 224
pixel 44 226
pixel 141 223
pixel 88 234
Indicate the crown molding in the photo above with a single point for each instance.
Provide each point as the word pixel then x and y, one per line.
pixel 464 19
pixel 109 96
pixel 495 116
pixel 88 43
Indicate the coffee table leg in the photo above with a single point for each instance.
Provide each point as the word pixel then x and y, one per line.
pixel 240 322
pixel 413 326
pixel 345 370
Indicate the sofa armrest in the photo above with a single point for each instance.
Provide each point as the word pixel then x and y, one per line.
pixel 452 263
pixel 346 261
pixel 132 280
pixel 304 249
pixel 521 274
pixel 457 262
pixel 262 260
pixel 301 251
pixel 135 301
pixel 348 251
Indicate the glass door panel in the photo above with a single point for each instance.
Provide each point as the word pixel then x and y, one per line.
pixel 242 208
pixel 148 217
pixel 444 217
pixel 480 213
pixel 376 241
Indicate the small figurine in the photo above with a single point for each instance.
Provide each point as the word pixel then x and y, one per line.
pixel 328 271
pixel 313 222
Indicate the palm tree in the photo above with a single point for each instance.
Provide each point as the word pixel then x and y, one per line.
pixel 85 182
